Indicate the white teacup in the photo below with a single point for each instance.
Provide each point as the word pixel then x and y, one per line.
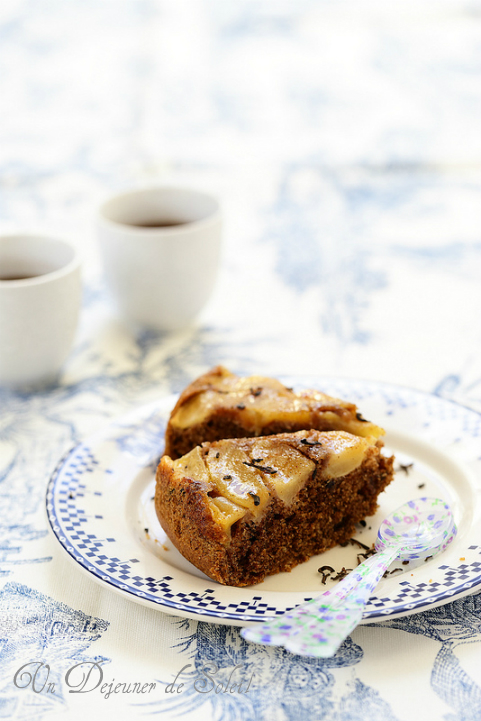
pixel 160 249
pixel 40 295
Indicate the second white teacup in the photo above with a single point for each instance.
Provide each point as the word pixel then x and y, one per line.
pixel 160 249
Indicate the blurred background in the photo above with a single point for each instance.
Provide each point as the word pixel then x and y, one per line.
pixel 343 139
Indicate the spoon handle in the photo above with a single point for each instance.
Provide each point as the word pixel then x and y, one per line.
pixel 319 626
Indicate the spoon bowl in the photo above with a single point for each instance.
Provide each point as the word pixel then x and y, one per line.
pixel 422 528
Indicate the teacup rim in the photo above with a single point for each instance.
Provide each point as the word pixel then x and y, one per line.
pixel 73 264
pixel 167 230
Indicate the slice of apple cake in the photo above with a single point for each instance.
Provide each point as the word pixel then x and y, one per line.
pixel 241 509
pixel 220 404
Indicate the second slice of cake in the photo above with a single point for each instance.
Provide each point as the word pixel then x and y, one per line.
pixel 220 404
pixel 242 509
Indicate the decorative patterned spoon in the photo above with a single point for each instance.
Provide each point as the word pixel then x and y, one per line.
pixel 418 529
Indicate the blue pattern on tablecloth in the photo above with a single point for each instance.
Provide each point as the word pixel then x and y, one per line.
pixel 299 687
pixel 36 628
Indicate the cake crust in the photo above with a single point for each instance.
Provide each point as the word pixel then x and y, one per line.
pixel 238 531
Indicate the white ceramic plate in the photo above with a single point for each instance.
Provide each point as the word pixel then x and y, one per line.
pixel 100 507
